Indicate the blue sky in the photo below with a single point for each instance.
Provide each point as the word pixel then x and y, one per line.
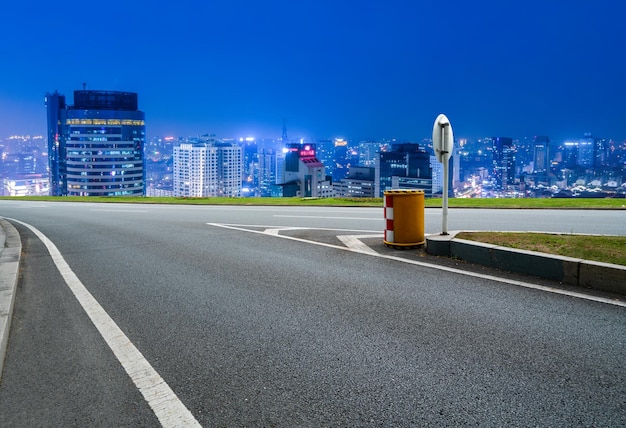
pixel 356 69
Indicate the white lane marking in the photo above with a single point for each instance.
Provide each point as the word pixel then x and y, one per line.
pixel 268 208
pixel 328 217
pixel 353 241
pixel 242 227
pixel 266 227
pixel 118 211
pixel 276 230
pixel 170 411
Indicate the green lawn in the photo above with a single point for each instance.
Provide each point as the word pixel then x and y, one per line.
pixel 557 203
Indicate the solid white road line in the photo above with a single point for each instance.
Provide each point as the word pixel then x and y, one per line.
pixel 327 217
pixel 118 211
pixel 242 227
pixel 170 411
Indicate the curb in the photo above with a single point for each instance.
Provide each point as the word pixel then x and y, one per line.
pixel 568 270
pixel 9 269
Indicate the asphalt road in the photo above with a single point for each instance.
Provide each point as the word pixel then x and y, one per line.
pixel 248 329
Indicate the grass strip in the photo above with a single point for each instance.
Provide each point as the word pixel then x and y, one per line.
pixel 527 203
pixel 607 249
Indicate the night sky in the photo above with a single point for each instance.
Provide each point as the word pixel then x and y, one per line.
pixel 331 68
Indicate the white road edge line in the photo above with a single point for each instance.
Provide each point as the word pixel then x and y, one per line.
pixel 170 411
pixel 241 227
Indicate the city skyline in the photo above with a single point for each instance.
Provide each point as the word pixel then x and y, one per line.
pixel 353 70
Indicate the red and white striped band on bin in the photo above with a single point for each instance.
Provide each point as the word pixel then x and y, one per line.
pixel 388 218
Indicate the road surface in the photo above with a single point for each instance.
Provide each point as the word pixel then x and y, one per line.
pixel 234 326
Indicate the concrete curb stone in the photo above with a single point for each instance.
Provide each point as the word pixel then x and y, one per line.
pixel 10 253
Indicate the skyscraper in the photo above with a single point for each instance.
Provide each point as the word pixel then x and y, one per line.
pixel 503 162
pixel 341 160
pixel 541 154
pixel 600 152
pixel 586 151
pixel 95 147
pixel 267 171
pixel 56 109
pixel 405 162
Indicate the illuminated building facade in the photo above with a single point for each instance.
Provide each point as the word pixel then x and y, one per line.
pixel 358 184
pixel 267 171
pixel 303 174
pixel 207 168
pixel 341 159
pixel 541 154
pixel 96 146
pixel 586 151
pixel 503 162
pixel 405 166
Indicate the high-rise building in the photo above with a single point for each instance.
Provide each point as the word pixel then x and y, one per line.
pixel 325 152
pixel 503 162
pixel 368 151
pixel 96 146
pixel 341 159
pixel 569 154
pixel 229 171
pixel 541 154
pixel 207 167
pixel 600 153
pixel 303 174
pixel 267 171
pixel 195 170
pixel 358 184
pixel 407 163
pixel 56 109
pixel 586 151
pixel 250 165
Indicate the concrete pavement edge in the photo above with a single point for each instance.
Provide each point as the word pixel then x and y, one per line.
pixel 567 270
pixel 10 254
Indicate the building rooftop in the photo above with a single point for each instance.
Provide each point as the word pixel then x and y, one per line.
pixel 105 100
pixel 312 162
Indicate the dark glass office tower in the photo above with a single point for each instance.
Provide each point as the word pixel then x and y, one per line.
pixel 55 104
pixel 541 154
pixel 503 162
pixel 95 147
pixel 405 161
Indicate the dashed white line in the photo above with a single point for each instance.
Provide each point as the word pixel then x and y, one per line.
pixel 170 411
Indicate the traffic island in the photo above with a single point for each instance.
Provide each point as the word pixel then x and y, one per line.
pixel 567 270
